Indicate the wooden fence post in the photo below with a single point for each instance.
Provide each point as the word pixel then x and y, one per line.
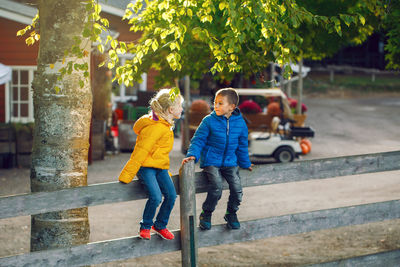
pixel 188 215
pixel 331 75
pixel 186 132
pixel 300 87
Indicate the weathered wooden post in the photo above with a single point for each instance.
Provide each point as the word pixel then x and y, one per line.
pixel 272 73
pixel 331 75
pixel 289 88
pixel 300 87
pixel 186 138
pixel 188 215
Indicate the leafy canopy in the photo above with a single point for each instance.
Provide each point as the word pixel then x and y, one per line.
pixel 193 37
pixel 322 41
pixel 392 26
pixel 224 37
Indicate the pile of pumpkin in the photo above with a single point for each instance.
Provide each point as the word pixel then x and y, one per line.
pixel 305 145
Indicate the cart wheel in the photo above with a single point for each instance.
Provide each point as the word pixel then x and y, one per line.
pixel 284 154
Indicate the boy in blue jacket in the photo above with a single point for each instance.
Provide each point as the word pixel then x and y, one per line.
pixel 220 142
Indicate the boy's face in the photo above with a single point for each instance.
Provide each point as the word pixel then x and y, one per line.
pixel 222 107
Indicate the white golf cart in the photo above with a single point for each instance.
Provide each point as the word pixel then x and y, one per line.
pixel 275 136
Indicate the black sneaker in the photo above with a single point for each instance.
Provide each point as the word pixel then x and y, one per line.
pixel 205 220
pixel 232 221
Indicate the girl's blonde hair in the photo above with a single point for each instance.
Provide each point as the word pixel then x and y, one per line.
pixel 162 101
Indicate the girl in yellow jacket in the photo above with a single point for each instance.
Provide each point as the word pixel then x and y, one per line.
pixel 150 160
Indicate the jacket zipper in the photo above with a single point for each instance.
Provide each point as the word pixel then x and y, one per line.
pixel 227 142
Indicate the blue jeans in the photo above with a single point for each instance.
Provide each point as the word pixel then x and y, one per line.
pixel 215 182
pixel 157 182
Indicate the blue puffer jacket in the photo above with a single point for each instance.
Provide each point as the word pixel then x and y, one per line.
pixel 221 142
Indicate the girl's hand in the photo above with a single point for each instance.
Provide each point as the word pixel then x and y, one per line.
pixel 188 159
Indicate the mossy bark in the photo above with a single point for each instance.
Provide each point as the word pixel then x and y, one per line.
pixel 62 121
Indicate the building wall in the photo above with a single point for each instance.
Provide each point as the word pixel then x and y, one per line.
pixel 2 103
pixel 13 49
pixel 13 52
pixel 151 80
pixel 122 26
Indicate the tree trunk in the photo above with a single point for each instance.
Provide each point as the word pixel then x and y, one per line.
pixel 62 120
pixel 300 86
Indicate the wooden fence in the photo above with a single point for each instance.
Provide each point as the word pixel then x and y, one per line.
pixel 351 69
pixel 188 239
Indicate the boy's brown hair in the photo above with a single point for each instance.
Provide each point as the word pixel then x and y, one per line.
pixel 231 95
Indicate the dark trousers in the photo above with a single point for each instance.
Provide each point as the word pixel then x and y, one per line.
pixel 215 182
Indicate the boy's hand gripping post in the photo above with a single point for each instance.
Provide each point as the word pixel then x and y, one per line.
pixel 185 160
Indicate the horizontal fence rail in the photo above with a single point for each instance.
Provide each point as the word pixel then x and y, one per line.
pixel 114 192
pixel 387 258
pixel 131 247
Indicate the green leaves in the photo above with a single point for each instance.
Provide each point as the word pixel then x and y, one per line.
pixel 100 47
pixel 173 60
pixel 392 26
pixel 33 36
pixel 337 25
pixel 362 19
pixel 222 5
pixel 197 36
pixel 173 93
pixel 154 45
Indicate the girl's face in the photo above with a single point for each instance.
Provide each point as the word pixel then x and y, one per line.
pixel 222 107
pixel 176 110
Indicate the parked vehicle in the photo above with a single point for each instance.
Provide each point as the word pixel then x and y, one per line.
pixel 274 136
pixel 282 146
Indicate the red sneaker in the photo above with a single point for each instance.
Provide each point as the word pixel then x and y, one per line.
pixel 164 233
pixel 144 234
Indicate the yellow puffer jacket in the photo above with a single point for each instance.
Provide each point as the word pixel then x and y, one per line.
pixel 153 143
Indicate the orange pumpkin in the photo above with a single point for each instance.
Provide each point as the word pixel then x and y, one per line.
pixel 274 109
pixel 304 148
pixel 200 106
pixel 307 142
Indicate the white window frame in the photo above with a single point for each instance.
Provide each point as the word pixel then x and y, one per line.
pixel 9 101
pixel 122 97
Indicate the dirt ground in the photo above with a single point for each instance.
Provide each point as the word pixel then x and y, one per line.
pixel 343 125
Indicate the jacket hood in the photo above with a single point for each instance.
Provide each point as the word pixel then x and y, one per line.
pixel 236 112
pixel 147 120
